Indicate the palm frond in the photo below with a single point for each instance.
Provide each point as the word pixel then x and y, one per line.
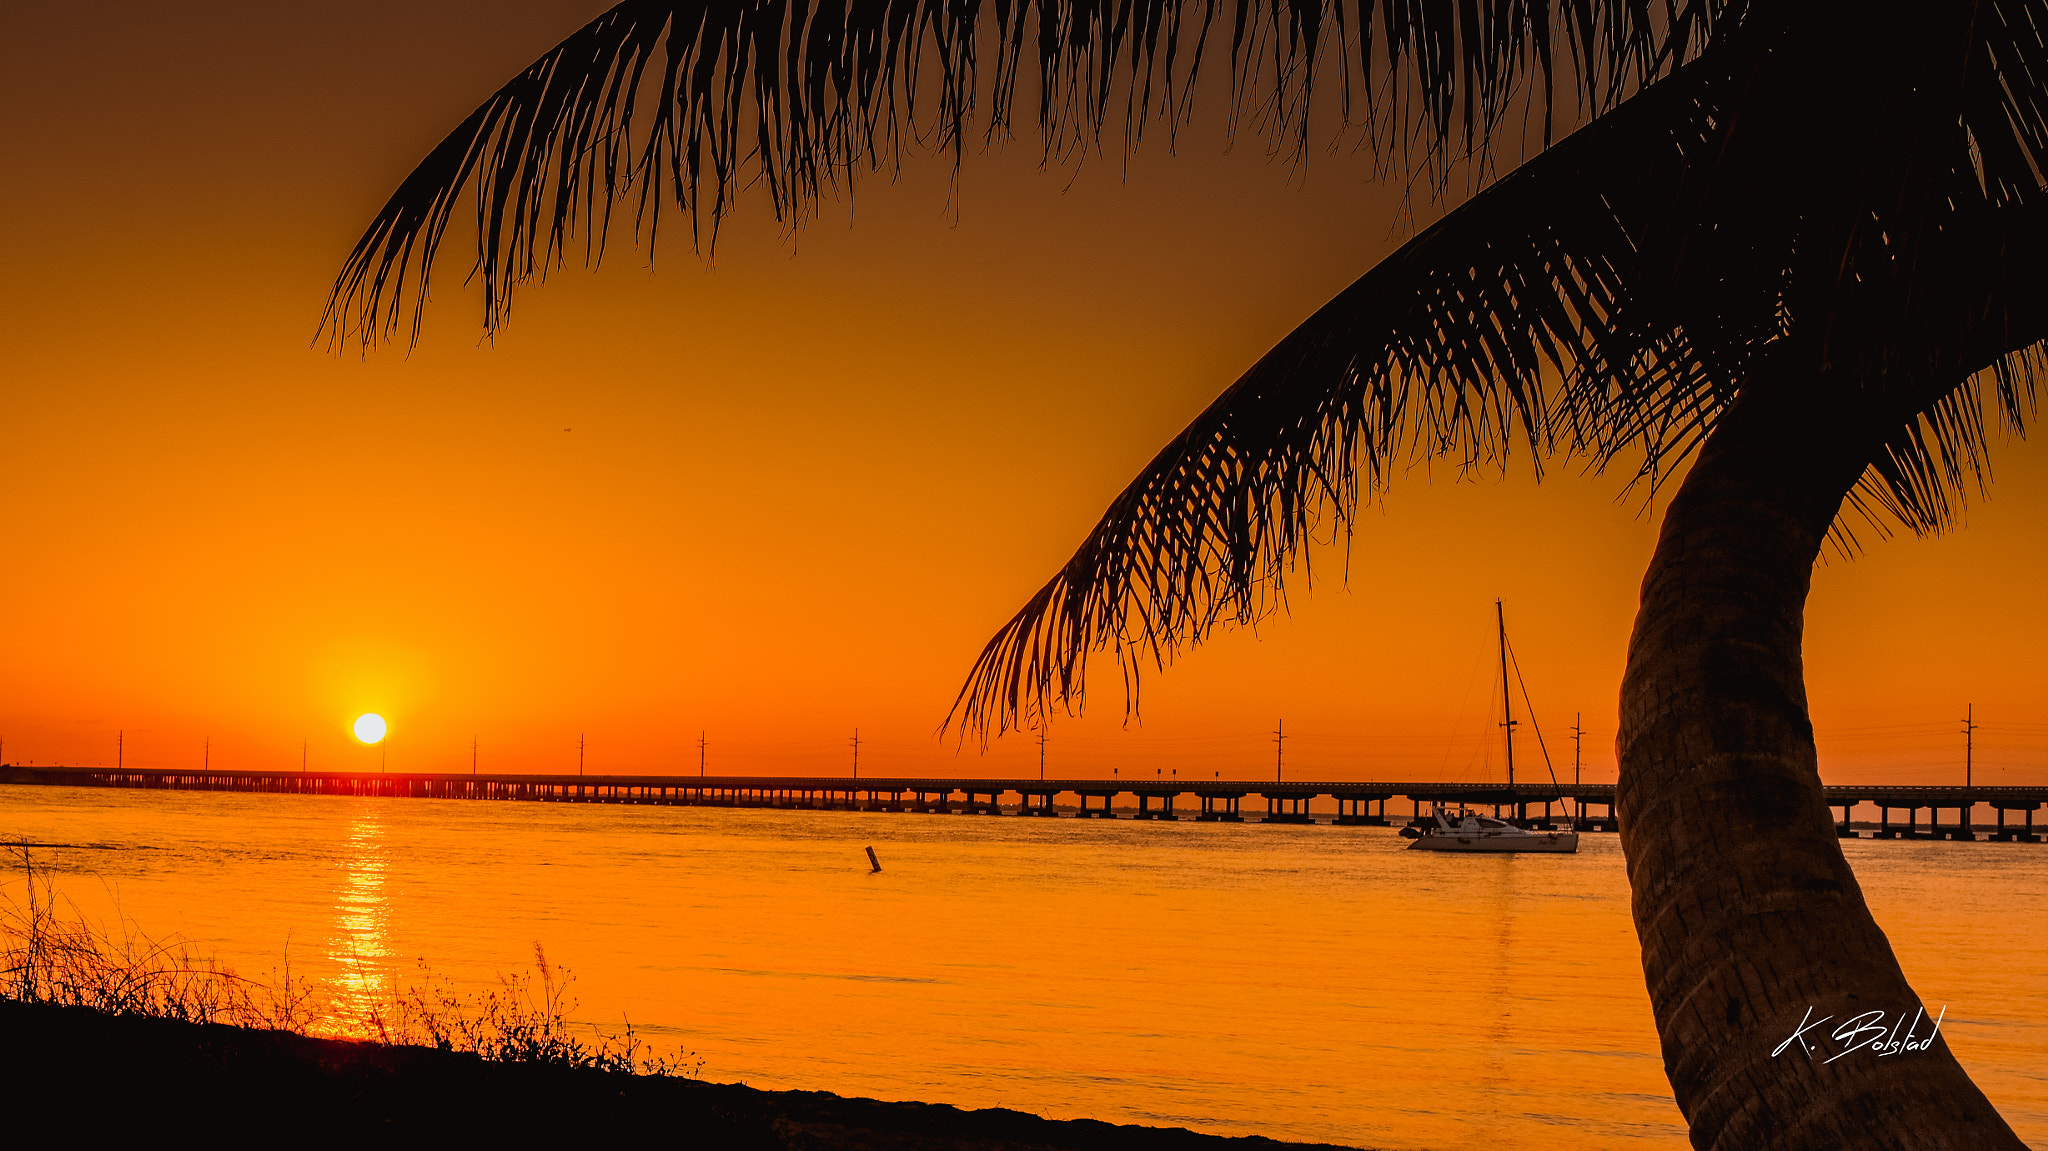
pixel 1932 463
pixel 2004 101
pixel 1616 293
pixel 1501 324
pixel 687 102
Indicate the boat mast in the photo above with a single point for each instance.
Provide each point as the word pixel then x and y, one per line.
pixel 1507 703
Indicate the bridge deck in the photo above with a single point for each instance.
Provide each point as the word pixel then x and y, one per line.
pixel 1358 801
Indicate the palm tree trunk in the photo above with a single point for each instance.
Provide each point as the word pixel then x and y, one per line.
pixel 1750 920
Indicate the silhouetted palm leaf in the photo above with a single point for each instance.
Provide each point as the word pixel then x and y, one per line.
pixel 687 103
pixel 1612 293
pixel 1638 268
pixel 1454 345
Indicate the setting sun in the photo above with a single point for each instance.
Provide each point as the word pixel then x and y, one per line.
pixel 370 727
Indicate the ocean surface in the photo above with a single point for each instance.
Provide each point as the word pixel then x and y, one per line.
pixel 1313 983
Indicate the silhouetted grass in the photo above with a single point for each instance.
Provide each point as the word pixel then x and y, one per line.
pixel 56 956
pixel 524 1020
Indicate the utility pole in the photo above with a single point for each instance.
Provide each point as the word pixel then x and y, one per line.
pixel 1279 746
pixel 120 749
pixel 1969 742
pixel 1578 734
pixel 1578 737
pixel 206 756
pixel 856 753
pixel 1041 753
pixel 579 755
pixel 472 755
pixel 703 741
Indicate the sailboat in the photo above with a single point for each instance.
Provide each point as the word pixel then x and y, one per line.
pixel 1470 831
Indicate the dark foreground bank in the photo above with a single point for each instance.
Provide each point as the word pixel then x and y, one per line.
pixel 98 1075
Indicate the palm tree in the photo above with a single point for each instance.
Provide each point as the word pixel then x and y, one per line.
pixel 1790 247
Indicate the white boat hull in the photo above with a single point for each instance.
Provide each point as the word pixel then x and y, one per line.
pixel 1553 842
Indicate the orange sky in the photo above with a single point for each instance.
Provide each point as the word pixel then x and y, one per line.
pixel 800 490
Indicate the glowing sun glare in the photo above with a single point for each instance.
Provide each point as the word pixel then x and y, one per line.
pixel 370 727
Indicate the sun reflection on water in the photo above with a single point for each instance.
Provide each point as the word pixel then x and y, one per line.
pixel 359 946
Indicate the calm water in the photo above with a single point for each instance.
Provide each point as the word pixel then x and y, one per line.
pixel 1309 983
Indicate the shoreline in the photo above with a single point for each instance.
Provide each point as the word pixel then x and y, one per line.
pixel 159 1077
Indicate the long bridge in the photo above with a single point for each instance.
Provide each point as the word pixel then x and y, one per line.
pixel 1585 806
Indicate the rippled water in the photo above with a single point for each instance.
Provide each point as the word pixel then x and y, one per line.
pixel 1312 983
